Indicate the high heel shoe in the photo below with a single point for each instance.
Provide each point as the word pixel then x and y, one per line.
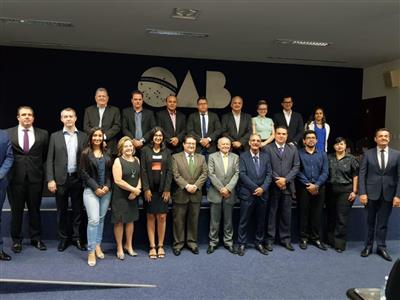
pixel 121 256
pixel 91 259
pixel 152 253
pixel 160 252
pixel 99 252
pixel 130 252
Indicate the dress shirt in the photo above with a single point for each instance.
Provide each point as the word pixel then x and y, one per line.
pixel 287 115
pixel 101 113
pixel 378 153
pixel 225 161
pixel 313 167
pixel 138 124
pixel 206 121
pixel 172 115
pixel 31 136
pixel 71 141
pixel 237 120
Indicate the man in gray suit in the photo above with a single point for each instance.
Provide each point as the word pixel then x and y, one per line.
pixel 105 116
pixel 223 171
pixel 62 163
pixel 285 165
pixel 379 188
pixel 190 172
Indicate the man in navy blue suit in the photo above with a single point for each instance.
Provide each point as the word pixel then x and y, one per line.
pixel 255 178
pixel 379 188
pixel 6 161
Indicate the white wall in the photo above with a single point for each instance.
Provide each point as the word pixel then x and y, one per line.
pixel 374 86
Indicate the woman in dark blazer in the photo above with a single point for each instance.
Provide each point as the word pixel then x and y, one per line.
pixel 95 171
pixel 156 182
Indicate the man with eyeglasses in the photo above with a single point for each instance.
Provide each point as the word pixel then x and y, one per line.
pixel 290 119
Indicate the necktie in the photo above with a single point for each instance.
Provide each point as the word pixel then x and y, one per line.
pixel 225 161
pixel 280 151
pixel 382 160
pixel 138 126
pixel 26 141
pixel 191 164
pixel 203 125
pixel 257 165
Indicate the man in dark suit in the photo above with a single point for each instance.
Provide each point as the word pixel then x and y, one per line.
pixel 137 122
pixel 292 120
pixel 173 123
pixel 65 149
pixel 190 172
pixel 26 177
pixel 255 178
pixel 223 171
pixel 236 126
pixel 105 116
pixel 285 165
pixel 6 161
pixel 379 188
pixel 205 126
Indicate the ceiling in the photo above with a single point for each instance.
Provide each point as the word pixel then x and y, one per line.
pixel 362 32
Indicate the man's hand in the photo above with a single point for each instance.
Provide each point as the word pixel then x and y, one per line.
pixel 258 192
pixel 52 186
pixel 174 141
pixel 312 189
pixel 236 144
pixel 205 142
pixel 138 144
pixel 396 202
pixel 191 188
pixel 99 192
pixel 224 192
pixel 280 182
pixel 364 199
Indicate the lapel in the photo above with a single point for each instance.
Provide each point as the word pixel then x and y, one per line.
pixel 169 120
pixel 241 124
pixel 97 116
pixel 14 137
pixel 220 162
pixel 375 158
pixel 62 142
pixel 390 160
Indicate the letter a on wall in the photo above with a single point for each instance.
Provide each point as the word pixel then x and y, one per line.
pixel 188 95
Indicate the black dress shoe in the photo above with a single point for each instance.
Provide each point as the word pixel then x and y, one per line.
pixel 320 245
pixel 39 245
pixel 4 256
pixel 78 244
pixel 339 250
pixel 303 244
pixel 231 249
pixel 382 252
pixel 210 249
pixel 260 248
pixel 16 247
pixel 194 250
pixel 240 250
pixel 176 252
pixel 268 246
pixel 62 245
pixel 366 251
pixel 287 246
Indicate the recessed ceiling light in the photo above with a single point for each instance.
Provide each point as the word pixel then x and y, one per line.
pixel 36 22
pixel 302 43
pixel 185 13
pixel 177 33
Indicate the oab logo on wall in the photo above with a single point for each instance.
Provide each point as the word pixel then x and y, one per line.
pixel 157 83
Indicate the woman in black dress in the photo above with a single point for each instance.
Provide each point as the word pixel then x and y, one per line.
pixel 124 203
pixel 156 178
pixel 342 191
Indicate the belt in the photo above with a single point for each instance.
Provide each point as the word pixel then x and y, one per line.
pixel 73 174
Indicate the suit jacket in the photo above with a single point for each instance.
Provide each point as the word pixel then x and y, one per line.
pixel 219 179
pixel 373 181
pixel 182 177
pixel 111 124
pixel 229 128
pixel 6 158
pixel 28 166
pixel 213 130
pixel 129 126
pixel 57 156
pixel 249 180
pixel 287 165
pixel 295 128
pixel 146 172
pixel 163 120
